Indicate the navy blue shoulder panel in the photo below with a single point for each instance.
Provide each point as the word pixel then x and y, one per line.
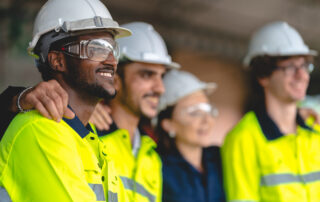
pixel 77 125
pixel 113 127
pixel 269 127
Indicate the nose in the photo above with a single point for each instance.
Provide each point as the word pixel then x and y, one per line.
pixel 111 59
pixel 158 85
pixel 208 118
pixel 301 72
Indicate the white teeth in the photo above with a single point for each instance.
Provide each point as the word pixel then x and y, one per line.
pixel 105 74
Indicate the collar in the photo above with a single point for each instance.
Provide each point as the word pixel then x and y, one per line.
pixel 208 154
pixel 77 125
pixel 114 127
pixel 136 143
pixel 269 127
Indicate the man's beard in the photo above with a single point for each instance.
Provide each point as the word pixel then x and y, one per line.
pixel 92 89
pixel 76 80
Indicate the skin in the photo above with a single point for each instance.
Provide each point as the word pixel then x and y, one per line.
pixel 192 133
pixel 48 97
pixel 283 91
pixel 51 100
pixel 139 94
pixel 81 78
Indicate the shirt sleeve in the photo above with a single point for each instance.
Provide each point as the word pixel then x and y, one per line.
pixel 44 164
pixel 6 115
pixel 240 167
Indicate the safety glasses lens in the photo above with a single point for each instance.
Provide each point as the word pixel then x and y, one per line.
pixel 99 49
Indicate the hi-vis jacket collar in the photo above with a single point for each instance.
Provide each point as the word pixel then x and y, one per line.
pixel 77 125
pixel 114 127
pixel 269 127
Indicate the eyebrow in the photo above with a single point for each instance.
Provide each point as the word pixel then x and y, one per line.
pixel 150 71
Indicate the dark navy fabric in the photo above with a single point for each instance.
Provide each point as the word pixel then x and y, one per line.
pixel 269 127
pixel 6 115
pixel 77 125
pixel 112 128
pixel 183 183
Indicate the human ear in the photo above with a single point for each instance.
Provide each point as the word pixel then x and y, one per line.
pixel 167 125
pixel 263 81
pixel 56 61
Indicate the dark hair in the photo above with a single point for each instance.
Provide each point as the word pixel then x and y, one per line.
pixel 262 67
pixel 120 67
pixel 43 66
pixel 165 143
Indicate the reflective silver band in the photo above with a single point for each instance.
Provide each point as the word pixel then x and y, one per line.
pixel 90 23
pixel 112 197
pixel 242 201
pixel 4 196
pixel 311 177
pixel 137 187
pixel 98 190
pixel 276 179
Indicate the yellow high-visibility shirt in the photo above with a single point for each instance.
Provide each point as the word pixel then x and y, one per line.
pixel 141 175
pixel 42 160
pixel 262 164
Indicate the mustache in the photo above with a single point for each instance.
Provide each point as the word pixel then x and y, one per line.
pixel 152 94
pixel 106 68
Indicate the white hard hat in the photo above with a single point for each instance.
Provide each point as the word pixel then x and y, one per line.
pixel 68 16
pixel 179 84
pixel 144 45
pixel 277 39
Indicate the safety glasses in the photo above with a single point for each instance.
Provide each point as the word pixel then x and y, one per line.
pixel 201 110
pixel 291 70
pixel 95 49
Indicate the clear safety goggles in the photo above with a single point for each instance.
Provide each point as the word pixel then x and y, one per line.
pixel 95 49
pixel 293 69
pixel 202 110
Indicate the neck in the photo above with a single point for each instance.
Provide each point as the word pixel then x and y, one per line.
pixel 81 103
pixel 124 118
pixel 283 114
pixel 192 154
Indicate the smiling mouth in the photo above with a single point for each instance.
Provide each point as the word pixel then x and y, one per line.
pixel 106 72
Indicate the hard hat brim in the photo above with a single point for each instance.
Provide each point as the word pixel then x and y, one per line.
pixel 248 58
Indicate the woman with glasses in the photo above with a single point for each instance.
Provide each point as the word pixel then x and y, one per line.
pixel 191 168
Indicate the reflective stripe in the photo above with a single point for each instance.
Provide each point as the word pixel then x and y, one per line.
pixel 311 177
pixel 98 190
pixel 276 179
pixel 4 196
pixel 112 197
pixel 242 201
pixel 137 187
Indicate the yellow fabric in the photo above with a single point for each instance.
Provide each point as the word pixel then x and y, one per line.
pixel 142 175
pixel 41 160
pixel 257 169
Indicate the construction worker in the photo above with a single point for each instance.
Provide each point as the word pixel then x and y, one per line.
pixel 192 168
pixel 43 160
pixel 271 154
pixel 143 62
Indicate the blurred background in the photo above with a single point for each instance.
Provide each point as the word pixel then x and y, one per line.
pixel 207 37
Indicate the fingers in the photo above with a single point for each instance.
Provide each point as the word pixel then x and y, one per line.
pixel 98 122
pixel 68 113
pixel 49 98
pixel 101 117
pixel 317 118
pixel 63 95
pixel 305 113
pixel 105 113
